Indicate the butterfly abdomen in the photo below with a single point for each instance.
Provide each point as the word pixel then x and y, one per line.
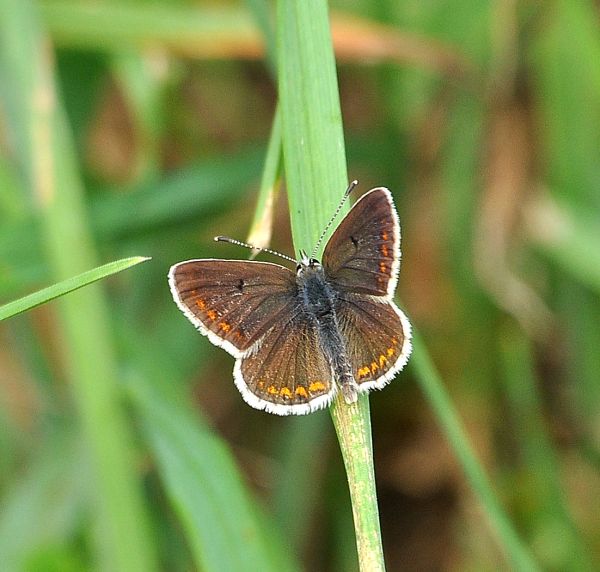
pixel 318 300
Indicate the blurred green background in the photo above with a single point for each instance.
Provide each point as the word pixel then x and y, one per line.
pixel 123 441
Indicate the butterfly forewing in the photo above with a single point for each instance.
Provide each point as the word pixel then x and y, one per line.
pixel 287 372
pixel 363 254
pixel 377 338
pixel 233 302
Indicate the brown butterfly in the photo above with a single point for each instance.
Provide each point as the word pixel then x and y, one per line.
pixel 298 337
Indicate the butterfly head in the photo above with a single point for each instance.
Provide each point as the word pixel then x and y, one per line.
pixel 306 263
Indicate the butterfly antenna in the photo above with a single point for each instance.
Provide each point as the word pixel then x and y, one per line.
pixel 259 248
pixel 332 219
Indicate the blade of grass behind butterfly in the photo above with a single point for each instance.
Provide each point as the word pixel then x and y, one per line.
pixel 315 166
pixel 294 498
pixel 122 539
pixel 557 539
pixel 69 285
pixel 222 523
pixel 569 239
pixel 41 510
pixel 119 25
pixel 141 78
pixel 567 78
pixel 440 402
pixel 261 13
pixel 178 200
pixel 262 223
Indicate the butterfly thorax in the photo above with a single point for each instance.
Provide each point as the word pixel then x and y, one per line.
pixel 318 300
pixel 316 295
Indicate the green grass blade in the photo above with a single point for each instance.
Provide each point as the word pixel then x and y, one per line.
pixel 120 25
pixel 261 10
pixel 539 462
pixel 569 237
pixel 143 90
pixel 43 506
pixel 567 81
pixel 439 400
pixel 313 140
pixel 221 522
pixel 198 190
pixel 353 428
pixel 315 166
pixel 567 94
pixel 122 538
pixel 209 497
pixel 299 487
pixel 295 495
pixel 262 223
pixel 69 285
pixel 180 199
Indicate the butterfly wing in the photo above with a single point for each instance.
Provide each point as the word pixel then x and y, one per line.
pixel 362 260
pixel 286 372
pixel 363 254
pixel 377 337
pixel 233 302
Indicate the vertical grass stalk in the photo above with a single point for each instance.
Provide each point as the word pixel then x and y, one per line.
pixel 518 554
pixel 315 165
pixel 122 540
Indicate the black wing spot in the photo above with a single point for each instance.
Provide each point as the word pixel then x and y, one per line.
pixel 240 285
pixel 354 242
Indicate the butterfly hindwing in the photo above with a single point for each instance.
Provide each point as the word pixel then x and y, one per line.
pixel 287 372
pixel 363 254
pixel 377 338
pixel 233 302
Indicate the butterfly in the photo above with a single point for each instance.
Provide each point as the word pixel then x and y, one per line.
pixel 298 337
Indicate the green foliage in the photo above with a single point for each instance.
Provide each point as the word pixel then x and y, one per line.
pixel 144 128
pixel 70 285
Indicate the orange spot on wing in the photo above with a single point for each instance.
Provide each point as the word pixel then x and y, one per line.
pixel 212 315
pixel 301 391
pixel 392 350
pixel 285 392
pixel 384 235
pixel 383 268
pixel 224 326
pixel 364 372
pixel 316 386
pixel 374 367
pixel 272 390
pixel 385 250
pixel 201 303
pixel 382 360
